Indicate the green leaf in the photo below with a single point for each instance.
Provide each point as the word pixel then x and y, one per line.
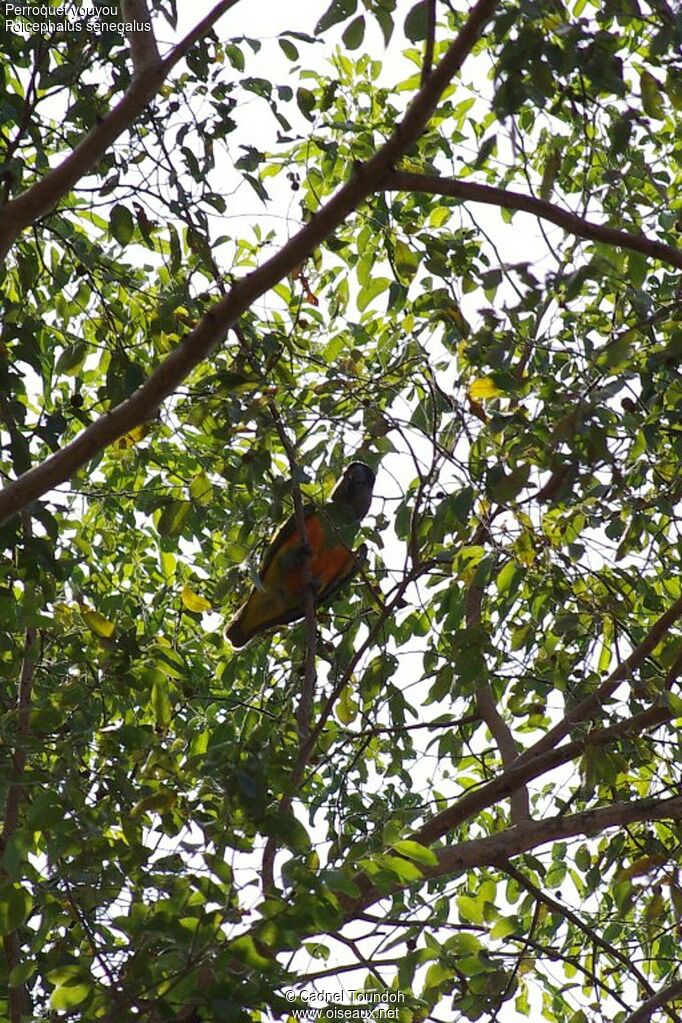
pixel 15 905
pixel 121 224
pixel 306 102
pixel 73 984
pixel 201 489
pixel 338 10
pixel 98 624
pixel 404 869
pixel 346 708
pixel 288 49
pixel 652 98
pixel 173 518
pixel 406 261
pixel 354 33
pixel 470 909
pixel 414 851
pixel 160 701
pixel 487 147
pixel 417 21
pixel 71 359
pixel 370 291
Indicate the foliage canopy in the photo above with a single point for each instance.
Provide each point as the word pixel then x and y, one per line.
pixel 460 263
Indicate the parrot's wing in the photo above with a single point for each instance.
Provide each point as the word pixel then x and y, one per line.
pixel 285 531
pixel 350 570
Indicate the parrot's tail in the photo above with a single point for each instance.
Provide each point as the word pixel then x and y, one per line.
pixel 235 632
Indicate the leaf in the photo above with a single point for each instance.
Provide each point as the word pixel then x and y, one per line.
pixel 201 489
pixel 193 601
pixel 244 950
pixel 121 224
pixel 160 702
pixel 97 623
pixel 404 869
pixel 673 88
pixel 354 33
pixel 552 167
pixel 288 49
pixel 414 851
pixel 486 148
pixel 15 905
pixel 370 291
pixel 337 11
pixel 417 22
pixel 73 985
pixel 346 707
pixel 173 517
pixel 71 359
pixel 406 261
pixel 652 98
pixel 306 102
pixel 470 909
pixel 503 927
pixel 21 973
pixel 484 387
pixel 606 652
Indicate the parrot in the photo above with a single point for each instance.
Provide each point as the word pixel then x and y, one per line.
pixel 331 529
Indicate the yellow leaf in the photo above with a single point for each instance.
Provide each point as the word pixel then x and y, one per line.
pixel 406 261
pixel 346 708
pixel 97 623
pixel 484 387
pixel 133 437
pixel 168 562
pixel 193 601
pixel 201 489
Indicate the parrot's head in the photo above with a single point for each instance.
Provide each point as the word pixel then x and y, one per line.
pixel 354 489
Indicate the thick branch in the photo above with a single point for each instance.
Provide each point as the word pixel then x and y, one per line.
pixel 525 770
pixel 495 850
pixel 646 1010
pixel 404 181
pixel 143 48
pixel 212 328
pixel 593 703
pixel 42 196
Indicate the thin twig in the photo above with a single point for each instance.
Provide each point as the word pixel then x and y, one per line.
pixel 557 907
pixel 430 39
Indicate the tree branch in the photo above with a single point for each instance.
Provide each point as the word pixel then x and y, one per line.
pixel 526 767
pixel 487 706
pixel 143 48
pixel 404 181
pixel 212 328
pixel 430 39
pixel 495 850
pixel 44 194
pixel 658 1001
pixel 588 707
pixel 556 907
